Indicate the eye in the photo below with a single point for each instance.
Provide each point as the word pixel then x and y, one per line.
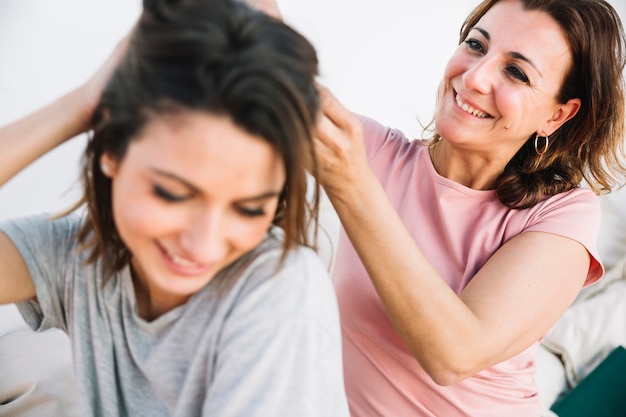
pixel 165 195
pixel 517 73
pixel 475 45
pixel 251 212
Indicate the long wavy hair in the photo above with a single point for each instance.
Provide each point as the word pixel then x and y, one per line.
pixel 215 56
pixel 590 146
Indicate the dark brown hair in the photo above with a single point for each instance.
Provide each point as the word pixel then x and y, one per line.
pixel 590 146
pixel 215 56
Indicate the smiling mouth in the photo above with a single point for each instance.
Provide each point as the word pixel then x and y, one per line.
pixel 180 261
pixel 469 109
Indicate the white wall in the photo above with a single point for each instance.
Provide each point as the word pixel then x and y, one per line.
pixel 48 47
pixel 383 59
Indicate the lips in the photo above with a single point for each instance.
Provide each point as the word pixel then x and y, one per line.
pixel 469 109
pixel 180 261
pixel 182 264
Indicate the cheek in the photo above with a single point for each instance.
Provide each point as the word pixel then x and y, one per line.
pixel 248 233
pixel 136 216
pixel 454 69
pixel 509 103
pixel 456 65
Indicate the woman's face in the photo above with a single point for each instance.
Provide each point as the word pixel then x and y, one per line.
pixel 501 84
pixel 192 194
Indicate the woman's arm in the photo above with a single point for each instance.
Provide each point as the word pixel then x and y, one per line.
pixel 25 140
pixel 508 305
pixel 22 142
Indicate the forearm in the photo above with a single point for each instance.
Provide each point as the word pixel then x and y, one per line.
pixel 438 327
pixel 30 137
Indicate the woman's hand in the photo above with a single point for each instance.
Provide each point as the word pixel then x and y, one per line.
pixel 90 92
pixel 268 6
pixel 342 160
pixel 30 137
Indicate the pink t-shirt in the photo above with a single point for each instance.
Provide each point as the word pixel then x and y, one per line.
pixel 458 229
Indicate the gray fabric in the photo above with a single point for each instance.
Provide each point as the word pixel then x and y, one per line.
pixel 255 341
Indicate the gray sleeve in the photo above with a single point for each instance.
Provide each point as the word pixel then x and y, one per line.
pixel 280 352
pixel 47 247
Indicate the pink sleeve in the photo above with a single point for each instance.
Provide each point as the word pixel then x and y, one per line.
pixel 376 136
pixel 576 215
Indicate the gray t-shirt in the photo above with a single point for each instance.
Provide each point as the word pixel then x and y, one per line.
pixel 256 341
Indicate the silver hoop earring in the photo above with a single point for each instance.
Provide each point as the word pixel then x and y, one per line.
pixel 544 148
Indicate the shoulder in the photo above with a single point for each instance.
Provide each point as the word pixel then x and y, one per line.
pixel 566 212
pixel 574 214
pixel 266 283
pixel 43 231
pixel 269 256
pixel 378 136
pixel 300 272
pixel 44 223
pixel 578 204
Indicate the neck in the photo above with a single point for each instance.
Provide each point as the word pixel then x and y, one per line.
pixel 151 304
pixel 474 170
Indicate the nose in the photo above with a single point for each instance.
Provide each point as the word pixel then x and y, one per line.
pixel 480 76
pixel 204 239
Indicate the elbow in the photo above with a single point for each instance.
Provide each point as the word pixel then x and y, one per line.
pixel 445 377
pixel 449 372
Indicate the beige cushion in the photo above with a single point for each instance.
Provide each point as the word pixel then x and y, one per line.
pixel 36 375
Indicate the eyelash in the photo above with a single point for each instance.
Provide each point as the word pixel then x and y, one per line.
pixel 517 73
pixel 167 196
pixel 251 212
pixel 173 198
pixel 474 45
pixel 513 70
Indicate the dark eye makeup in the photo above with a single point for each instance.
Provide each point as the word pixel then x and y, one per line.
pixel 514 71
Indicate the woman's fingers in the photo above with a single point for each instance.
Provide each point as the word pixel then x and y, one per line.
pixel 100 78
pixel 340 116
pixel 339 129
pixel 269 7
pixel 331 135
pixel 91 91
pixel 339 146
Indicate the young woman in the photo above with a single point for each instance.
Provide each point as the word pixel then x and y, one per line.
pixel 483 235
pixel 186 284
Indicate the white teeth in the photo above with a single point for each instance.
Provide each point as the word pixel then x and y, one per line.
pixel 469 109
pixel 179 260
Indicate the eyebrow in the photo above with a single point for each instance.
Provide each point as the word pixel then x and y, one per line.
pixel 197 190
pixel 515 55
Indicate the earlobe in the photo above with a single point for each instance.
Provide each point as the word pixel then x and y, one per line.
pixel 108 165
pixel 562 114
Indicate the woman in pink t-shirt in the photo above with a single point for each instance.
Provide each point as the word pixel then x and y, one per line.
pixel 459 252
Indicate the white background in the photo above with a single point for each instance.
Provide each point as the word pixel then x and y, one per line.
pixel 383 59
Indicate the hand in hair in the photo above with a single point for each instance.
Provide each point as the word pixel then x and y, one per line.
pixel 268 6
pixel 91 91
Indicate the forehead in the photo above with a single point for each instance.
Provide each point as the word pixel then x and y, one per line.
pixel 532 33
pixel 199 130
pixel 204 150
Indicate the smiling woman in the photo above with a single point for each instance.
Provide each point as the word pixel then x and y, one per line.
pixel 188 285
pixel 183 220
pixel 485 231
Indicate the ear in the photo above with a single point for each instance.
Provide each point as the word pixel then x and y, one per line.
pixel 108 165
pixel 562 113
